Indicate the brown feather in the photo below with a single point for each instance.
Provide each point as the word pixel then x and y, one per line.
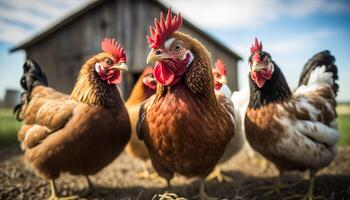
pixel 186 128
pixel 80 133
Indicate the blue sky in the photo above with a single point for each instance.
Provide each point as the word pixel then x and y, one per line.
pixel 292 31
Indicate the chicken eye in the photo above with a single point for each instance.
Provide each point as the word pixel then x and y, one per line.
pixel 108 61
pixel 177 47
pixel 267 61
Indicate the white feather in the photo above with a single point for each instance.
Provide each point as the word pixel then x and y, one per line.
pixel 226 91
pixel 319 76
pixel 307 142
pixel 240 100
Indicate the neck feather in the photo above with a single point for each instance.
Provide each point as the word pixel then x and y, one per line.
pixel 275 90
pixel 92 90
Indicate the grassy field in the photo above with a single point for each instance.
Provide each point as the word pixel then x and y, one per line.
pixel 9 126
pixel 343 111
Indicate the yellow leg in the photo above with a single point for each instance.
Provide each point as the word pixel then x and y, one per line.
pixel 310 193
pixel 54 193
pixel 217 174
pixel 202 194
pixel 276 187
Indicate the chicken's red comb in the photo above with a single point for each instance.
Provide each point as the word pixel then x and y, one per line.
pixel 110 45
pixel 163 28
pixel 256 47
pixel 220 67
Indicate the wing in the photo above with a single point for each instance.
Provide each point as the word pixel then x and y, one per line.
pixel 315 118
pixel 47 111
pixel 324 60
pixel 228 106
pixel 141 122
pixel 39 96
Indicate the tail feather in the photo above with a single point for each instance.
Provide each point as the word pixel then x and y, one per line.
pixel 32 76
pixel 324 58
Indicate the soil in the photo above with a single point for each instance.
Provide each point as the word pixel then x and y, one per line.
pixel 119 180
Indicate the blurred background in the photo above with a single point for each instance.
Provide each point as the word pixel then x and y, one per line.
pixel 60 35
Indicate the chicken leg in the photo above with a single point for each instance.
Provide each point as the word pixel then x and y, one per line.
pixel 90 188
pixel 54 193
pixel 310 193
pixel 202 194
pixel 277 186
pixel 217 174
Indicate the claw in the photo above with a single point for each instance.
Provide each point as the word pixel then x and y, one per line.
pixel 276 188
pixel 217 174
pixel 310 193
pixel 54 193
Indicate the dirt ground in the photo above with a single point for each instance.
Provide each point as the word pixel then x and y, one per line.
pixel 119 180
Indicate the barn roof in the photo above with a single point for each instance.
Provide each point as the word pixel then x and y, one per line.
pixel 87 7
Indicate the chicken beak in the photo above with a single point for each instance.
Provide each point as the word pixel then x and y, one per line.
pixel 255 67
pixel 154 56
pixel 120 66
pixel 222 80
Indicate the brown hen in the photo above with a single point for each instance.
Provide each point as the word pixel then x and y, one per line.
pixel 79 133
pixel 185 126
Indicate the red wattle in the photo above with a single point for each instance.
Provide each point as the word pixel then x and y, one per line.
pixel 162 74
pixel 114 77
pixel 257 79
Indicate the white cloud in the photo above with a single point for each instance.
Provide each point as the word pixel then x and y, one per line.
pixel 229 14
pixel 11 33
pixel 300 42
pixel 19 19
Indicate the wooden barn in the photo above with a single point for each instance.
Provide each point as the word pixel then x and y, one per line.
pixel 62 48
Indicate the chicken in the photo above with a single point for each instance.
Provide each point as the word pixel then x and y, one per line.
pixel 238 141
pixel 185 126
pixel 143 89
pixel 80 133
pixel 220 79
pixel 294 130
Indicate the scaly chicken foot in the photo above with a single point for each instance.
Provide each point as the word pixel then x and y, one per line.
pixel 146 174
pixel 217 174
pixel 276 187
pixel 54 195
pixel 310 193
pixel 202 194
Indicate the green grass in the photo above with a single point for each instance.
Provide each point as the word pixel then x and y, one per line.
pixel 8 128
pixel 344 129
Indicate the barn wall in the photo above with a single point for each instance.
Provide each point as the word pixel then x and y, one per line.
pixel 62 53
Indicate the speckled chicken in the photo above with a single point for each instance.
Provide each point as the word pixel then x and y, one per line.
pixel 185 126
pixel 294 130
pixel 80 133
